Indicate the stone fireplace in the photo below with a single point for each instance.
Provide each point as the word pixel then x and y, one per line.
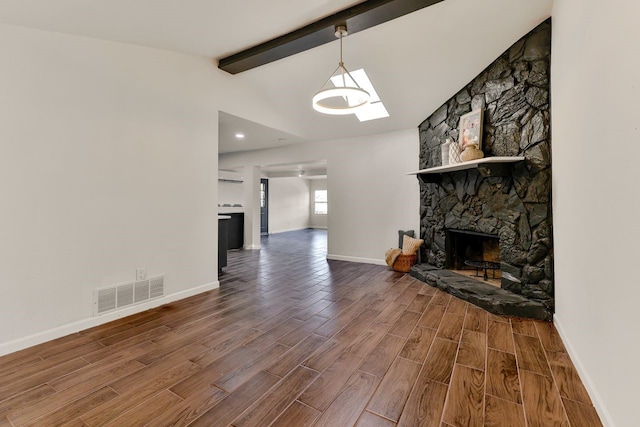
pixel 503 214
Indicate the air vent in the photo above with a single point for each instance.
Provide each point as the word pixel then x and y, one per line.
pixel 141 291
pixel 115 297
pixel 106 300
pixel 125 295
pixel 156 287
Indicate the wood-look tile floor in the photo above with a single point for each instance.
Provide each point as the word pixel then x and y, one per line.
pixel 290 339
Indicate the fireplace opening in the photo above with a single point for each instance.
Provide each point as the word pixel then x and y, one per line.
pixel 474 254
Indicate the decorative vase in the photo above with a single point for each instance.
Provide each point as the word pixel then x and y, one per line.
pixel 471 152
pixel 445 152
pixel 454 153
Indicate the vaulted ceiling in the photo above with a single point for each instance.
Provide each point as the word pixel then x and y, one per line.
pixel 415 62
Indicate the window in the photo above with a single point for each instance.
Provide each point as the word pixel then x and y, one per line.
pixel 375 109
pixel 320 205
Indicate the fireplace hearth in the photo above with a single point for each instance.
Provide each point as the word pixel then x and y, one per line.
pixel 493 299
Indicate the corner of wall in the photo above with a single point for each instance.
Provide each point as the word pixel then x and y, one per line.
pixel 597 400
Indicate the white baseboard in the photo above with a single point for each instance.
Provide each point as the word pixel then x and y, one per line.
pixel 251 247
pixel 288 229
pixel 318 227
pixel 80 325
pixel 598 404
pixel 356 259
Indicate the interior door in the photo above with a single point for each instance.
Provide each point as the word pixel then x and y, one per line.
pixel 264 206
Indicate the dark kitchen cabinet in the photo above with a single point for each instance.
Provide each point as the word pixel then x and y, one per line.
pixel 223 241
pixel 235 236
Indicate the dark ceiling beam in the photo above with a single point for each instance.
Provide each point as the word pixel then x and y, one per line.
pixel 359 17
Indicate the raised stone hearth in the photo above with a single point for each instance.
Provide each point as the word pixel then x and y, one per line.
pixel 494 300
pixel 515 206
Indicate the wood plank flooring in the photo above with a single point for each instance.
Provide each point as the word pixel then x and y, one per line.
pixel 291 339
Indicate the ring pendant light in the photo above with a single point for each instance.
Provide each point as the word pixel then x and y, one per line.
pixel 340 100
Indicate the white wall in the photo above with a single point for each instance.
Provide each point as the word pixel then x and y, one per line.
pixel 370 197
pixel 316 221
pixel 230 192
pixel 596 147
pixel 109 162
pixel 288 204
pixel 252 218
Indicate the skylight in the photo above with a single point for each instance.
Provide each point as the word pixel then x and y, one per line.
pixel 375 109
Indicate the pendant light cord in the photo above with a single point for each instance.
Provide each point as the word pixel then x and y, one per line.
pixel 341 64
pixel 341 67
pixel 340 47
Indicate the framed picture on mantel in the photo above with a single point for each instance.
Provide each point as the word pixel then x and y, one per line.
pixel 471 129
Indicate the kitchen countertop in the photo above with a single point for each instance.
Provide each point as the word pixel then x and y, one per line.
pixel 229 210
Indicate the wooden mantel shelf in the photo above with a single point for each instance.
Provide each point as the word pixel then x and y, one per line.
pixel 468 165
pixel 487 166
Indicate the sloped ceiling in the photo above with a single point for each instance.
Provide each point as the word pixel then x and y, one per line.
pixel 415 62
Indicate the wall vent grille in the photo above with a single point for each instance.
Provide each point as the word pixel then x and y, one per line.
pixel 141 291
pixel 156 287
pixel 110 299
pixel 125 295
pixel 106 300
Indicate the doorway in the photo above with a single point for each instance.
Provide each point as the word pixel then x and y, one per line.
pixel 264 206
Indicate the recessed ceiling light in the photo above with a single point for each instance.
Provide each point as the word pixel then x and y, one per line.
pixel 240 135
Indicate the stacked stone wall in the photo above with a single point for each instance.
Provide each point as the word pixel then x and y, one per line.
pixel 514 93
